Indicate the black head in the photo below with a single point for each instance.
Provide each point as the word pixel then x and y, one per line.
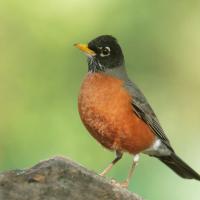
pixel 108 53
pixel 103 53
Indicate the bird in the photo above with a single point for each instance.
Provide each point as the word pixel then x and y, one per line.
pixel 117 114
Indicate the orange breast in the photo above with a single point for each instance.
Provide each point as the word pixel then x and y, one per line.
pixel 106 111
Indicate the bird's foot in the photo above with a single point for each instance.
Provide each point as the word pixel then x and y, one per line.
pixel 102 174
pixel 123 184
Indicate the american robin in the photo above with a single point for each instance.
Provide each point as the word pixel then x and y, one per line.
pixel 116 113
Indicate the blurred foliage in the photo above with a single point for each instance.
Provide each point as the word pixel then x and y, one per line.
pixel 41 73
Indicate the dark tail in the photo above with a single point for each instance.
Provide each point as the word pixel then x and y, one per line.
pixel 179 166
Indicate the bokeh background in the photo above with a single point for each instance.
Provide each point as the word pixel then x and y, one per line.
pixel 41 73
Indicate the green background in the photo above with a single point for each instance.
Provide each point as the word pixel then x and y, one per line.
pixel 41 73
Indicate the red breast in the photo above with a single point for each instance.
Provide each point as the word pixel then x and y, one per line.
pixel 106 111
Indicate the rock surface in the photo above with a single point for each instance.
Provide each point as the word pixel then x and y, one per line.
pixel 59 179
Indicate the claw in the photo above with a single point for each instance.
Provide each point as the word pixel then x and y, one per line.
pixel 123 184
pixel 113 181
pixel 101 174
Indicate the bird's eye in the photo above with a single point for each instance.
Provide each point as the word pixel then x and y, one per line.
pixel 105 51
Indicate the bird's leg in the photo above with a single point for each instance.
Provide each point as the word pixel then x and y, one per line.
pixel 135 161
pixel 107 169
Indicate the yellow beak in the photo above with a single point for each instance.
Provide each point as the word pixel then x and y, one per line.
pixel 85 49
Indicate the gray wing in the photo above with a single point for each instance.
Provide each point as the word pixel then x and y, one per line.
pixel 144 111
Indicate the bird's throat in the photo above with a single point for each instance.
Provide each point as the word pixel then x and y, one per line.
pixel 94 65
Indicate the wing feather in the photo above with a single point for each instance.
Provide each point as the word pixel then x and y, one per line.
pixel 144 111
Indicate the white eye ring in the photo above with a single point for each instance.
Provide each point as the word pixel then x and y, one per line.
pixel 105 51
